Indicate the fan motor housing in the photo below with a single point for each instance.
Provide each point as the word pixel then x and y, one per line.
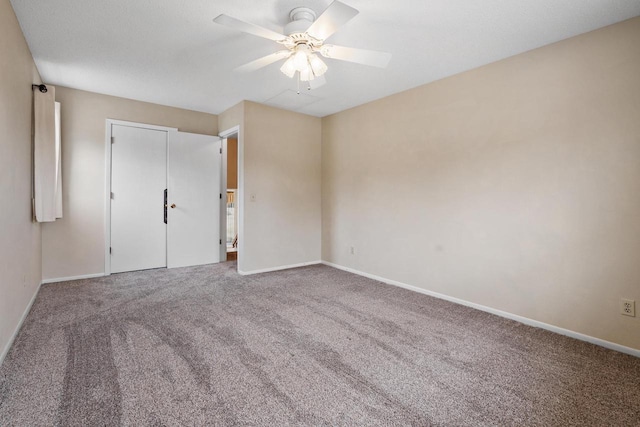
pixel 301 19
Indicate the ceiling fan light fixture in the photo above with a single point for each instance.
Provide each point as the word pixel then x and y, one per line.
pixel 317 65
pixel 301 59
pixel 288 68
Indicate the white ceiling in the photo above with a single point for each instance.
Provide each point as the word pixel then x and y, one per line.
pixel 170 52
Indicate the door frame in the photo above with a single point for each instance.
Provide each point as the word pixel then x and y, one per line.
pixel 107 181
pixel 239 193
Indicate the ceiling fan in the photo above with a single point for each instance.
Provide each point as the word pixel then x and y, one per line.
pixel 304 37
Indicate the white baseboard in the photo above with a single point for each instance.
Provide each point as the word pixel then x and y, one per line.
pixel 569 333
pixel 7 347
pixel 66 279
pixel 283 267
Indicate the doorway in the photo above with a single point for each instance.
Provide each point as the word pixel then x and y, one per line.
pixel 232 174
pixel 232 199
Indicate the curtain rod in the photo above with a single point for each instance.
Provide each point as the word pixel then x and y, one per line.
pixel 41 88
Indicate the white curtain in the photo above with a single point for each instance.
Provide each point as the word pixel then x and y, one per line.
pixel 58 164
pixel 46 156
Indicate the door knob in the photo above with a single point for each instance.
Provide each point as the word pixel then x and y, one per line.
pixel 173 205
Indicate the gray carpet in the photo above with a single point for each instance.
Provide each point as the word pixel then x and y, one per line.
pixel 308 346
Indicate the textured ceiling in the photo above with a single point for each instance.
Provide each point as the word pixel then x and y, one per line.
pixel 170 52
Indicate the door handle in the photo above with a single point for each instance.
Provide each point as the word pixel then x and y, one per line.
pixel 165 205
pixel 173 205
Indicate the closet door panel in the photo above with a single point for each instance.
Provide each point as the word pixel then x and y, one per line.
pixel 138 181
pixel 194 174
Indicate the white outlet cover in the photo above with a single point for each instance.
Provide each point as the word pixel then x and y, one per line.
pixel 628 307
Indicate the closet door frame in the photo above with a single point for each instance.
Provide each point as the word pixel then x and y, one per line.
pixel 107 192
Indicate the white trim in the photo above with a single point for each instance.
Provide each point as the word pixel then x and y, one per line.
pixel 223 200
pixel 235 130
pixel 229 132
pixel 107 174
pixel 107 197
pixel 282 267
pixel 140 125
pixel 7 347
pixel 67 279
pixel 535 323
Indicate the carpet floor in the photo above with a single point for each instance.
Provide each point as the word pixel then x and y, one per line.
pixel 308 346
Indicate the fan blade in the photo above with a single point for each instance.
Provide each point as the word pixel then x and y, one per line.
pixel 264 61
pixel 246 27
pixel 317 82
pixel 359 56
pixel 331 19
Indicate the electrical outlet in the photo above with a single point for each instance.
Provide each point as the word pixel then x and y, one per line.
pixel 628 307
pixel 352 250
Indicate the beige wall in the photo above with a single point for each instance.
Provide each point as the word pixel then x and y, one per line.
pixel 280 165
pixel 282 169
pixel 19 236
pixel 515 185
pixel 74 245
pixel 232 117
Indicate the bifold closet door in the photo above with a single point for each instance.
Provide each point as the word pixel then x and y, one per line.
pixel 138 182
pixel 193 229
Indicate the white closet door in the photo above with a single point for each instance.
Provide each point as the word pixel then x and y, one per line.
pixel 194 200
pixel 138 181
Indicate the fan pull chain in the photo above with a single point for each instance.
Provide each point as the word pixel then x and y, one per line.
pixel 298 83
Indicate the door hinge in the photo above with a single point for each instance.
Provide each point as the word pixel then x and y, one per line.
pixel 220 196
pixel 113 139
pixel 220 241
pixel 221 150
pixel 112 196
pixel 109 249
